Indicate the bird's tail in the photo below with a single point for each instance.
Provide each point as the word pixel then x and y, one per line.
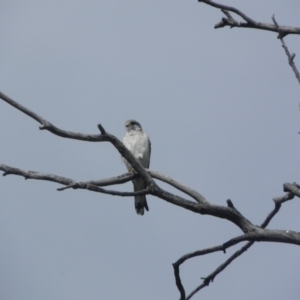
pixel 140 201
pixel 140 204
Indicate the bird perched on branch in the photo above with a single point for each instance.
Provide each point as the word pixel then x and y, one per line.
pixel 138 143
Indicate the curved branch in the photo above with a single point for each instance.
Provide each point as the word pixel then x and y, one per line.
pixel 167 179
pixel 177 264
pixel 210 278
pixel 203 207
pixel 223 212
pixel 229 8
pixel 230 213
pixel 35 175
pixel 103 182
pixel 291 188
pixel 70 183
pixel 249 23
pixel 46 125
pixel 290 57
pixel 181 260
pixel 66 181
pixel 104 137
pixel 97 189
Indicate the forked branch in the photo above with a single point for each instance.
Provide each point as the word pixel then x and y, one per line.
pixel 250 23
pixel 287 52
pixel 247 21
pixel 199 204
pixel 210 278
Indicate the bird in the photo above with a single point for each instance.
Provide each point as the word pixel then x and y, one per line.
pixel 138 143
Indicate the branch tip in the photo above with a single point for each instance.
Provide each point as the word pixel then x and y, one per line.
pixel 293 56
pixel 230 204
pixel 102 130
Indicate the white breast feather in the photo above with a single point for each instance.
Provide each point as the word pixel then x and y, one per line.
pixel 139 145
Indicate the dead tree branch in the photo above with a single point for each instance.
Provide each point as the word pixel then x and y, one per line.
pixel 202 207
pixel 200 204
pixel 210 278
pixel 248 22
pixel 290 57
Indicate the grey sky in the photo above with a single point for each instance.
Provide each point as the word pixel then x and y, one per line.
pixel 221 109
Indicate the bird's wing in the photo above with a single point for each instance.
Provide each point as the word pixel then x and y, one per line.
pixel 128 143
pixel 146 151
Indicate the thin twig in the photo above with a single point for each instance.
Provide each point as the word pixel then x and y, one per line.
pixel 104 182
pixel 177 264
pixel 211 277
pixel 291 57
pixel 97 189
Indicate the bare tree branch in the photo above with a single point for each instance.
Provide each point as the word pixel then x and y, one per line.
pixel 217 211
pixel 153 189
pixel 249 23
pixel 291 188
pixel 251 232
pixel 97 189
pixel 45 125
pixel 177 264
pixel 229 213
pixel 102 182
pixel 167 179
pixel 291 57
pixel 66 181
pixel 210 278
pixel 162 177
pixel 104 137
pixel 70 183
pixel 35 175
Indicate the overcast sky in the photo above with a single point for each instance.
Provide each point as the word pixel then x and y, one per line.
pixel 221 109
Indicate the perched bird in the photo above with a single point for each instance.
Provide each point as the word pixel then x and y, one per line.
pixel 138 143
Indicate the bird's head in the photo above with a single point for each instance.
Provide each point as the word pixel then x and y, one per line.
pixel 132 125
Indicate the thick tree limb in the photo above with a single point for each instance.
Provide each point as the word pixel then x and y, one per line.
pixel 249 23
pixel 70 183
pixel 203 207
pixel 218 211
pixel 231 214
pixel 251 232
pixel 104 137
